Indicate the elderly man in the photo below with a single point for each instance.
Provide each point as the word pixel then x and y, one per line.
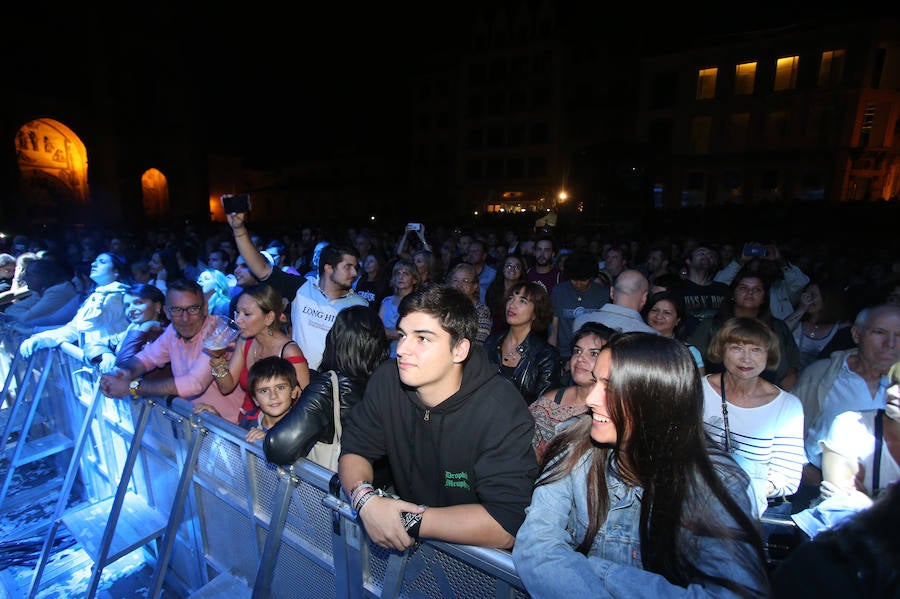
pixel 849 381
pixel 623 313
pixel 181 346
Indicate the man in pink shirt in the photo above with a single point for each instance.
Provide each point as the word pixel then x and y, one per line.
pixel 180 345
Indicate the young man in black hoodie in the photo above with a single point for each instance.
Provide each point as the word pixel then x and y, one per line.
pixel 457 435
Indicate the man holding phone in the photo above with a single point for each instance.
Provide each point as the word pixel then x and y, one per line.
pixel 313 306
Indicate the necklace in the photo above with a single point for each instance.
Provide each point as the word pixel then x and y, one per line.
pixel 507 357
pixel 813 332
pixel 256 347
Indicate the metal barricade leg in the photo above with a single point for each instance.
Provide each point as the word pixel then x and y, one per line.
pixel 122 489
pixel 16 459
pixel 20 399
pixel 11 376
pixel 68 482
pixel 262 587
pixel 181 495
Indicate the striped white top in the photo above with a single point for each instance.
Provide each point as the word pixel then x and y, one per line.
pixel 767 441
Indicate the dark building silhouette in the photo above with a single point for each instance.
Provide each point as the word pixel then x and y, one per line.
pixel 501 113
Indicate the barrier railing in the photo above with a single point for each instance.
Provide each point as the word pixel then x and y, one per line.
pixel 217 518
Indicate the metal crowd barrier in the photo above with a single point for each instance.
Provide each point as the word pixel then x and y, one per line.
pixel 205 506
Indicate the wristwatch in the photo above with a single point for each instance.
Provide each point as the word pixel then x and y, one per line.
pixel 134 386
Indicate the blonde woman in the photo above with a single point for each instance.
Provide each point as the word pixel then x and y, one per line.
pixel 217 292
pixel 404 280
pixel 258 315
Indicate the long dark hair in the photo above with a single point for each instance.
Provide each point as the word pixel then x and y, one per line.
pixel 654 398
pixel 356 343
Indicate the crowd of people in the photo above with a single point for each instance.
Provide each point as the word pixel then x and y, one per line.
pixel 541 391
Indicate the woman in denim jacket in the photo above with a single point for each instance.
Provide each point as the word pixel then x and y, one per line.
pixel 632 502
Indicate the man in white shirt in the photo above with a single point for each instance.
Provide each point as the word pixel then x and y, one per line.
pixel 314 302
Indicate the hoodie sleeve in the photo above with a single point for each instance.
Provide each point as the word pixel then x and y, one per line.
pixel 506 469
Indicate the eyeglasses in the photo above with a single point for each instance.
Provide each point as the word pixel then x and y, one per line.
pixel 512 266
pixel 175 311
pixel 461 282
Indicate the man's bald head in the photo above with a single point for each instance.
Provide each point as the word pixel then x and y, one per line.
pixel 630 290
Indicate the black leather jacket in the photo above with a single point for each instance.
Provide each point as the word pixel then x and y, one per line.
pixel 311 419
pixel 538 369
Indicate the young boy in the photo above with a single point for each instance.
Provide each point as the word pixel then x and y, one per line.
pixel 272 384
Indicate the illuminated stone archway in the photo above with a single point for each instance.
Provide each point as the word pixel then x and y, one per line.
pixel 155 192
pixel 53 168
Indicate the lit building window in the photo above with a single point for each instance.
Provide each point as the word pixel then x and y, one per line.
pixel 706 83
pixel 831 68
pixel 786 73
pixel 744 78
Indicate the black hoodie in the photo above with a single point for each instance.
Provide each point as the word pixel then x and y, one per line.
pixel 474 447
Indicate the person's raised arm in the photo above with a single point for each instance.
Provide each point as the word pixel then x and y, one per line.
pixel 258 265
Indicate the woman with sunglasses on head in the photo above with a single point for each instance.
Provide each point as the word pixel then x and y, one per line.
pixel 631 500
pixel 258 315
pixel 521 352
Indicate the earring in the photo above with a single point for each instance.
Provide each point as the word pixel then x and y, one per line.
pixel 269 330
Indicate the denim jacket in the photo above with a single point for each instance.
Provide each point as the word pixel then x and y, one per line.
pixel 556 521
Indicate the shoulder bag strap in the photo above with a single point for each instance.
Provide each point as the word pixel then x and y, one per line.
pixel 725 416
pixel 336 395
pixel 876 458
pixel 557 399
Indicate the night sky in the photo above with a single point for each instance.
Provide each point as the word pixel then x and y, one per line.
pixel 334 75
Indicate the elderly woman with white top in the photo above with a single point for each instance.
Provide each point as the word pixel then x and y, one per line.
pixel 756 421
